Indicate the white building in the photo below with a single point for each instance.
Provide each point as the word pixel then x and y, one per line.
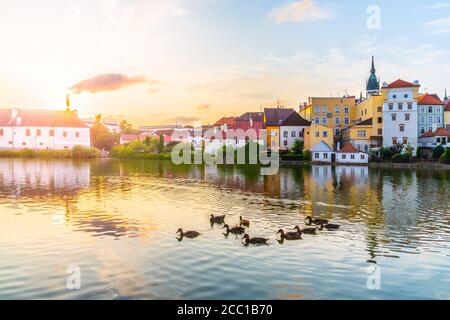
pixel 293 128
pixel 400 122
pixel 42 130
pixel 322 152
pixel 350 155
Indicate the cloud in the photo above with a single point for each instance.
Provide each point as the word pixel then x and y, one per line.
pixel 300 11
pixel 203 107
pixel 181 119
pixel 107 82
pixel 439 26
pixel 439 5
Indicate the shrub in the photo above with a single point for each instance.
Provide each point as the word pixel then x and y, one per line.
pixel 386 153
pixel 438 152
pixel 401 158
pixel 84 152
pixel 292 157
pixel 445 157
pixel 307 155
pixel 298 147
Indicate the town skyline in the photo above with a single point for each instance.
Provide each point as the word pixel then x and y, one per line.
pixel 178 62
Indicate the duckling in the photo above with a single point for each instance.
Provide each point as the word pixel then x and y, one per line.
pixel 310 221
pixel 235 230
pixel 248 240
pixel 306 230
pixel 290 235
pixel 218 219
pixel 188 234
pixel 329 226
pixel 244 222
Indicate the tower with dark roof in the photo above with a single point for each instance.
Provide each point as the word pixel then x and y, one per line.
pixel 373 84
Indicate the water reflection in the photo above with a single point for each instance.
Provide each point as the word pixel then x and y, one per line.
pixel 391 217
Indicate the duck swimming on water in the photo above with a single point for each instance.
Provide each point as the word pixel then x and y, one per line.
pixel 329 226
pixel 235 230
pixel 244 222
pixel 188 234
pixel 218 219
pixel 290 235
pixel 306 230
pixel 310 221
pixel 248 240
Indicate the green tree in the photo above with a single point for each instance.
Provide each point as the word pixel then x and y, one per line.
pixel 101 138
pixel 445 157
pixel 438 152
pixel 161 143
pixel 298 147
pixel 127 128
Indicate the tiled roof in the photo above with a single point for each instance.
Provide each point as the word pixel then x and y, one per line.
pixel 276 116
pixel 430 99
pixel 401 84
pixel 440 132
pixel 447 106
pixel 295 120
pixel 41 118
pixel 229 121
pixel 348 148
pixel 255 116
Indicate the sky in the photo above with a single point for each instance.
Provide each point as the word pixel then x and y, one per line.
pixel 179 61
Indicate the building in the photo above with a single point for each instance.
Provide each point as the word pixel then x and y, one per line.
pixel 292 129
pixel 361 136
pixel 350 155
pixel 225 123
pixel 400 123
pixel 112 126
pixel 431 113
pixel 333 112
pixel 127 138
pixel 322 152
pixel 373 83
pixel 316 133
pixel 446 111
pixel 273 119
pixel 433 139
pixel 42 130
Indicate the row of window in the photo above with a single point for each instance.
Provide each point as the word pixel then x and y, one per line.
pixel 51 133
pixel 431 119
pixel 407 116
pixel 353 156
pixel 337 109
pixel 400 106
pixel 24 144
pixel 404 140
pixel 293 134
pixel 337 120
pixel 422 129
pixel 324 134
pixel 430 109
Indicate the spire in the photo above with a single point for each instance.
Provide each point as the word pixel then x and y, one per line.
pixel 373 84
pixel 446 97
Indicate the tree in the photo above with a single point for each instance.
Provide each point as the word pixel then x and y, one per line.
pixel 161 143
pixel 298 147
pixel 101 138
pixel 438 151
pixel 127 128
pixel 409 149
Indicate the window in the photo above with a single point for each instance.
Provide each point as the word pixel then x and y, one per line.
pixel 344 156
pixel 317 134
pixel 405 141
pixel 52 133
pixel 28 132
pixel 430 119
pixel 363 156
pixel 77 134
pixel 394 117
pixel 301 133
pixel 430 109
pixel 438 109
pixel 346 109
pixel 430 129
pixel 409 106
pixel 422 129
pixel 365 111
pixel 394 140
pixel 422 119
pixel 380 109
pixel 346 120
pixel 438 119
pixel 406 96
pixel 285 134
pixel 336 131
pixel 380 120
pixel 337 121
pixel 285 143
pixel 24 143
pixel 380 132
pixel 400 106
pixel 38 132
pixel 391 106
pixel 352 157
pixel 325 109
pixel 324 120
pixel 325 155
pixel 407 116
pixel 293 134
pixel 422 109
pixel 316 155
pixel 65 134
pixel 316 109
pixel 337 109
pixel 1 132
pixel 362 133
pixel 438 140
pixel 317 120
pixel 402 128
pixel 325 134
pixel 394 96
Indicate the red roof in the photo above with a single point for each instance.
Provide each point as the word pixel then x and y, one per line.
pixel 447 106
pixel 229 121
pixel 429 99
pixel 348 148
pixel 41 118
pixel 440 132
pixel 401 84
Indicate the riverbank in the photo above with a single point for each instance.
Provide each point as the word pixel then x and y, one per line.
pixel 77 152
pixel 412 165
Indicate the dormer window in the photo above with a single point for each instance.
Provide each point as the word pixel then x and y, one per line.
pixel 394 96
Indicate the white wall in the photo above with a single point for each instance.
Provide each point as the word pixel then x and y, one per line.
pixel 16 138
pixel 299 135
pixel 347 157
pixel 323 156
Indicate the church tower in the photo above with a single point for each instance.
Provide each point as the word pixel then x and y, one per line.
pixel 373 84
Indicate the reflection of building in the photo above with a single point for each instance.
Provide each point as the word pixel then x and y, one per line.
pixel 42 130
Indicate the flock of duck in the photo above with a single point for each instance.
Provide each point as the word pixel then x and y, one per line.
pixel 319 225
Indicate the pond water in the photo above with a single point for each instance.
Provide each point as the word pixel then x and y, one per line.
pixel 114 223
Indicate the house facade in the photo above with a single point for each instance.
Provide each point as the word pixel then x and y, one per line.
pixel 273 120
pixel 400 123
pixel 322 153
pixel 42 130
pixel 431 113
pixel 432 139
pixel 350 155
pixel 361 136
pixel 447 113
pixel 314 134
pixel 292 129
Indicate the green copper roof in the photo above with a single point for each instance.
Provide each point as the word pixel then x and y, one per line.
pixel 373 84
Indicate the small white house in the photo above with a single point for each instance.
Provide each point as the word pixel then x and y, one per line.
pixel 42 130
pixel 349 154
pixel 322 152
pixel 292 129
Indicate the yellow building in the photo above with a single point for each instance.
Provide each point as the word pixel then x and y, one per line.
pixel 317 133
pixel 447 113
pixel 336 113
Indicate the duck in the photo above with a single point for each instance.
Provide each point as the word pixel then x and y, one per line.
pixel 218 219
pixel 244 222
pixel 235 230
pixel 188 234
pixel 248 240
pixel 290 235
pixel 306 230
pixel 310 221
pixel 329 226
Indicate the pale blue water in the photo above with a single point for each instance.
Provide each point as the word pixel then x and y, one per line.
pixel 117 220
